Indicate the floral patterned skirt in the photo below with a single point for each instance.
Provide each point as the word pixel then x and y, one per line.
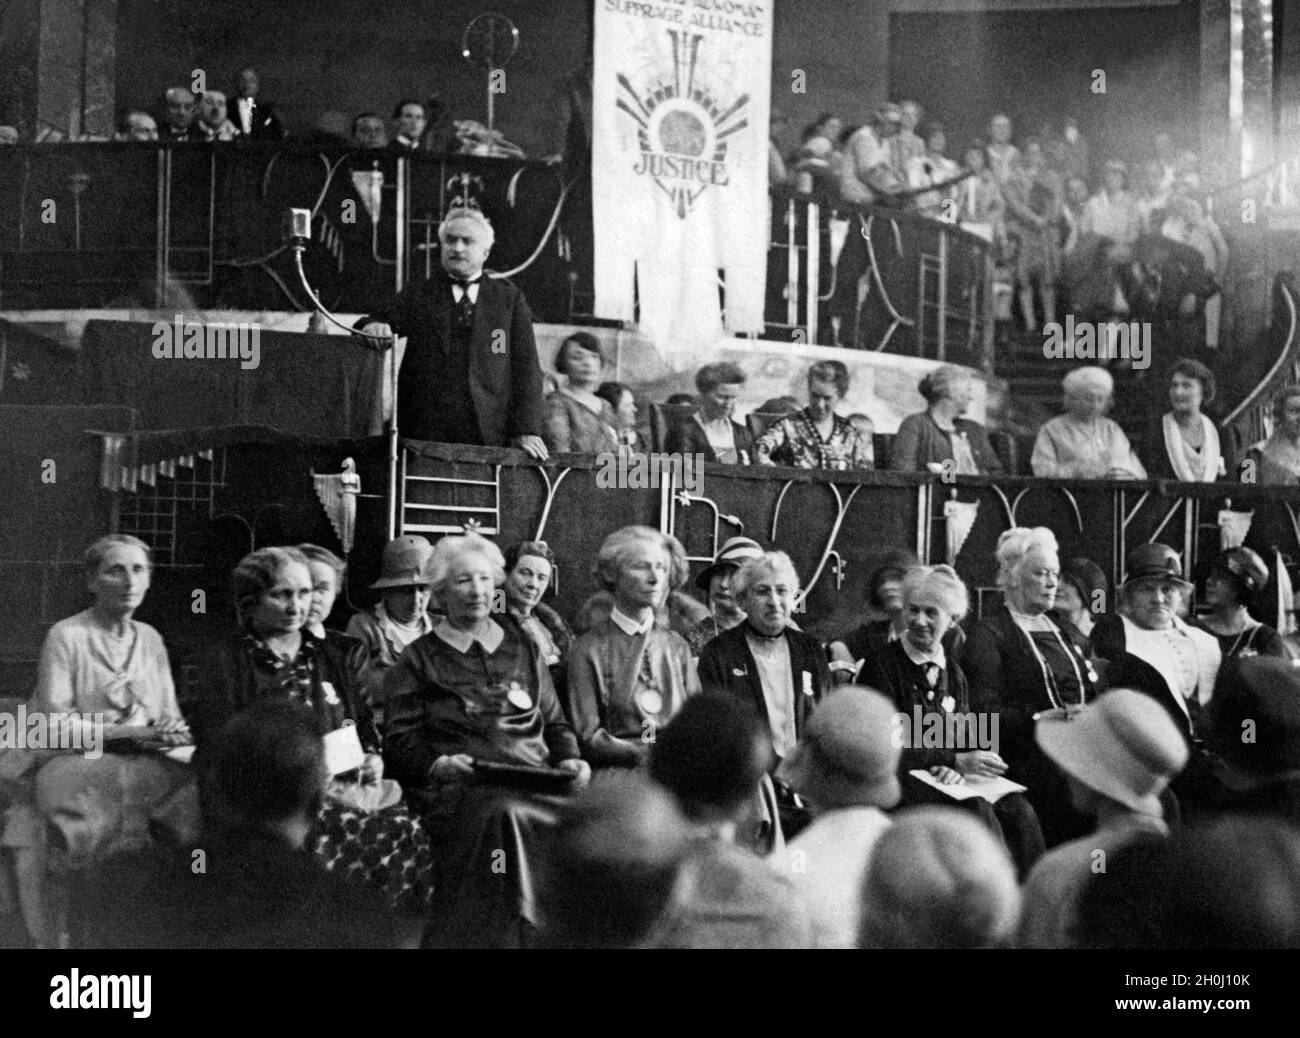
pixel 387 851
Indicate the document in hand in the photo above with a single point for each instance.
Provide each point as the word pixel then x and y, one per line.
pixel 991 789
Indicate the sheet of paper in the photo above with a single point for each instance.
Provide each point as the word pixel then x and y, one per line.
pixel 343 750
pixel 180 753
pixel 991 789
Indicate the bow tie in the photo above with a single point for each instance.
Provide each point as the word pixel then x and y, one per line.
pixel 466 284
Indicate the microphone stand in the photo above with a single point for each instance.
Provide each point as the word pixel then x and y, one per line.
pixel 297 232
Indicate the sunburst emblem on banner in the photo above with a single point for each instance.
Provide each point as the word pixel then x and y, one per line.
pixel 682 128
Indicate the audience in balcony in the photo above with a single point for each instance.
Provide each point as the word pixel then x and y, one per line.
pixel 1234 583
pixel 907 145
pixel 134 124
pixel 255 117
pixel 817 157
pixel 1072 147
pixel 932 167
pixel 1003 156
pixel 1184 443
pixel 410 118
pixel 1083 443
pixel 1187 221
pixel 623 401
pixel 711 430
pixel 369 132
pixel 816 437
pixel 1033 195
pixel 980 205
pixel 577 419
pixel 778 176
pixel 1278 458
pixel 1118 754
pixel 1113 212
pixel 179 116
pixel 1072 210
pixel 939 439
pixel 869 171
pixel 212 117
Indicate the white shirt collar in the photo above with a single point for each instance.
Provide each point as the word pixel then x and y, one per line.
pixel 629 626
pixel 461 641
pixel 914 654
pixel 458 290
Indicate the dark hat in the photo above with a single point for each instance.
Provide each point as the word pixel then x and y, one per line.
pixel 1246 566
pixel 1253 718
pixel 404 562
pixel 730 556
pixel 1154 560
pixel 1086 577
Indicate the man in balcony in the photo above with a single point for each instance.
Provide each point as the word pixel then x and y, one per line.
pixel 470 373
pixel 179 111
pixel 256 120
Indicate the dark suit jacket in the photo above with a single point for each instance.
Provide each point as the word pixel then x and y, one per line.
pixel 505 379
pixel 686 437
pixel 919 441
pixel 266 124
pixel 892 673
pixel 727 665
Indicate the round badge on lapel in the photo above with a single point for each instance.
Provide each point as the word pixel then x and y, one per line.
pixel 650 701
pixel 518 695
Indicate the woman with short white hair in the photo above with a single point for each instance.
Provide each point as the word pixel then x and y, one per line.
pixel 1022 659
pixel 628 675
pixel 1083 443
pixel 476 691
pixel 765 660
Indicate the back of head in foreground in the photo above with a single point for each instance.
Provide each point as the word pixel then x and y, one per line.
pixel 939 879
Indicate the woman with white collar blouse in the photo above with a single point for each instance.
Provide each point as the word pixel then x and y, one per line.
pixel 1184 443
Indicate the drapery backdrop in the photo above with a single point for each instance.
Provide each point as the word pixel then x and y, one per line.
pixel 679 166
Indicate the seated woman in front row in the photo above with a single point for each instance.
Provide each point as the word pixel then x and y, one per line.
pixel 931 693
pixel 477 689
pixel 103 677
pixel 939 439
pixel 711 431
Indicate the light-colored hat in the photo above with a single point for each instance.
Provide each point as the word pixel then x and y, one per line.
pixel 1123 745
pixel 847 756
pixel 405 560
pixel 732 553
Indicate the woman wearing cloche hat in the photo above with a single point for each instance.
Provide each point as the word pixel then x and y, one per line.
pixel 1236 579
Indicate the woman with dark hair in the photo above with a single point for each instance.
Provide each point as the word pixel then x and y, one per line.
pixel 1236 578
pixel 816 437
pixel 578 419
pixel 620 398
pixel 938 439
pixel 710 431
pixel 530 567
pixel 1184 445
pixel 273 655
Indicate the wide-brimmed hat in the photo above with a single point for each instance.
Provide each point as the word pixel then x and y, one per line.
pixel 1154 560
pixel 1253 718
pixel 848 754
pixel 1123 745
pixel 730 556
pixel 405 559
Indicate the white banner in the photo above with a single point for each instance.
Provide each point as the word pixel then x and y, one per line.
pixel 680 97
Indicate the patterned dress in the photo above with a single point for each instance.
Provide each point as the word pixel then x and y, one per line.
pixel 795 441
